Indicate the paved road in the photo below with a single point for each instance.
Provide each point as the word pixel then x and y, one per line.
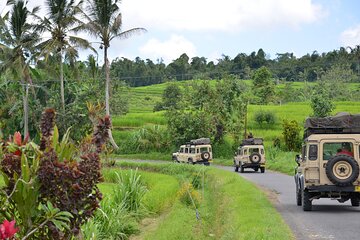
pixel 329 219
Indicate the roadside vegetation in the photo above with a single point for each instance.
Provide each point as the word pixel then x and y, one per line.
pixel 221 206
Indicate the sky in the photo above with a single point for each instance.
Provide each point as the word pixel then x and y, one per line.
pixel 213 28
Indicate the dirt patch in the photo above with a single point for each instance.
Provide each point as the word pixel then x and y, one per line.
pixel 271 194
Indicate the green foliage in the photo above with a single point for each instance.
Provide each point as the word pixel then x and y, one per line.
pixel 186 125
pixel 130 192
pixel 263 87
pixel 113 221
pixel 171 98
pixel 147 139
pixel 291 134
pixel 226 212
pixel 188 195
pixel 61 219
pixel 128 201
pixel 266 117
pixel 321 100
pixel 119 101
pixel 289 93
pixel 281 161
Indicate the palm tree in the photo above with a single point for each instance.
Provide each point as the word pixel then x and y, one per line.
pixel 17 43
pixel 62 18
pixel 104 22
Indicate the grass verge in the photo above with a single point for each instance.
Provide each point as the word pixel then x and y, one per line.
pixel 231 208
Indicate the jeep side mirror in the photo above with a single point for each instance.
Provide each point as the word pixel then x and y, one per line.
pixel 298 159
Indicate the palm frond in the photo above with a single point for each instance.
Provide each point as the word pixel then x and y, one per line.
pixel 129 33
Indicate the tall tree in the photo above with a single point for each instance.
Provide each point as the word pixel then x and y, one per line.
pixel 17 44
pixel 263 85
pixel 60 21
pixel 105 22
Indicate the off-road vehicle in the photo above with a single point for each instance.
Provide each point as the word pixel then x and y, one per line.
pixel 195 151
pixel 328 166
pixel 250 154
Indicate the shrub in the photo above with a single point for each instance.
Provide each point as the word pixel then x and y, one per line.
pixel 188 195
pixel 148 139
pixel 291 133
pixel 159 106
pixel 277 142
pixel 266 117
pixel 49 191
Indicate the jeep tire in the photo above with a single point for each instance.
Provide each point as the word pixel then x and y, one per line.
pixel 298 196
pixel 342 170
pixel 255 157
pixel 205 156
pixel 355 202
pixel 306 202
pixel 262 169
pixel 236 168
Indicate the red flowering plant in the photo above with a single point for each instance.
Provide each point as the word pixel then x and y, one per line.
pixel 8 229
pixel 51 190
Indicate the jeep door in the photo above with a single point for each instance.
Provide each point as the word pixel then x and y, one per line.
pixel 183 154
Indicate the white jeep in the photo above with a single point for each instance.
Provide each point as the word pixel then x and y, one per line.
pixel 328 166
pixel 250 154
pixel 196 151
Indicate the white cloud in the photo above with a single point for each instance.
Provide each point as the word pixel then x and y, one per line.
pixel 225 15
pixel 351 36
pixel 168 50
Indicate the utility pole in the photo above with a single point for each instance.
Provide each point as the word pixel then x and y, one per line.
pixel 245 122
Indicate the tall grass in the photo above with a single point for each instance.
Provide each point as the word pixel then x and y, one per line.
pixel 231 208
pixel 161 188
pixel 117 217
pixel 130 192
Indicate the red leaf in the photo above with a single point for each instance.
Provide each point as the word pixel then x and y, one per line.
pixel 17 138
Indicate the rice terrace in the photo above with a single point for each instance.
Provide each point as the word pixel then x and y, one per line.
pixel 174 143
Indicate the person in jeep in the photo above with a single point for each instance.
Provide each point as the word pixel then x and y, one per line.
pixel 345 150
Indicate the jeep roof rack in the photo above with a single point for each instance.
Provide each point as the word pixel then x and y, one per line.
pixel 252 141
pixel 199 141
pixel 341 123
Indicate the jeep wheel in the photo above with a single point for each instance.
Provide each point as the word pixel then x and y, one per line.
pixel 190 161
pixel 255 158
pixel 205 156
pixel 342 170
pixel 241 169
pixel 298 197
pixel 306 202
pixel 256 169
pixel 262 169
pixel 355 202
pixel 236 168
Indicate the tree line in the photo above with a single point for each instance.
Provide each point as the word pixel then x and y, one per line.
pixel 286 67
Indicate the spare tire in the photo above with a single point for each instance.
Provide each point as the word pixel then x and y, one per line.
pixel 255 157
pixel 342 170
pixel 205 156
